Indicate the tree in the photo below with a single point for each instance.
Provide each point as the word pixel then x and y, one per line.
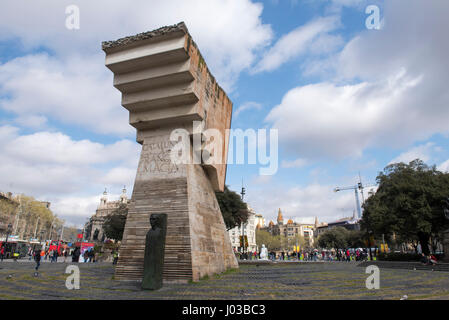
pixel 270 241
pixel 355 239
pixel 232 207
pixel 29 216
pixel 334 238
pixel 114 223
pixel 409 202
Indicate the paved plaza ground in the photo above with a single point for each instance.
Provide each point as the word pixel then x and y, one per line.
pixel 336 280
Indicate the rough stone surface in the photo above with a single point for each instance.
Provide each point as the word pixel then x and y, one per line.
pixel 144 36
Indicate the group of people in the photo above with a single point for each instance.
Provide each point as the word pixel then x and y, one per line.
pixel 53 255
pixel 314 255
pixel 428 260
pixel 89 255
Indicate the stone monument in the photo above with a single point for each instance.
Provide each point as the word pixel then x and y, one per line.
pixel 166 85
pixel 154 252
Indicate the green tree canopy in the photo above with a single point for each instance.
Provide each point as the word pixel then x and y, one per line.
pixel 232 207
pixel 114 223
pixel 334 238
pixel 270 241
pixel 30 217
pixel 409 202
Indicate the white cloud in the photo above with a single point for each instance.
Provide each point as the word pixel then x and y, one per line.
pixel 302 201
pixel 53 167
pixel 228 33
pixel 78 209
pixel 444 167
pixel 390 89
pixel 58 148
pixel 120 175
pixel 340 121
pixel 32 121
pixel 422 152
pixel 250 105
pixel 312 37
pixel 261 179
pixel 72 85
pixel 297 163
pixel 76 90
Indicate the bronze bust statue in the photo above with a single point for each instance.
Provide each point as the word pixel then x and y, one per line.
pixel 154 252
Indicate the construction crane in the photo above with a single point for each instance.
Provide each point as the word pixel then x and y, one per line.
pixel 358 186
pixel 357 201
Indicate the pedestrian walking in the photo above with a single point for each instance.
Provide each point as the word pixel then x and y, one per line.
pixel 115 257
pixel 37 258
pixel 91 255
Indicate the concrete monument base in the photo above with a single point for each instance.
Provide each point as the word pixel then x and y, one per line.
pixel 197 243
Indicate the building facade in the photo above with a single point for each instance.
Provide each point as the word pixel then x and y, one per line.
pixel 248 229
pixel 294 230
pixel 104 208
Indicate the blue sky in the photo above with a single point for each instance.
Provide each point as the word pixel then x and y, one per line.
pixel 343 98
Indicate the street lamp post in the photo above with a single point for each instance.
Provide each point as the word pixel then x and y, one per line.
pixel 243 225
pixel 51 227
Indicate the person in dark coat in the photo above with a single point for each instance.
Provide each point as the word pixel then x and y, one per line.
pixel 76 255
pixel 37 258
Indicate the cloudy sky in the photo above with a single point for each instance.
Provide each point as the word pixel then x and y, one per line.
pixel 345 99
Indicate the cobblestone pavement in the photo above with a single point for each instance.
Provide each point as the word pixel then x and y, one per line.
pixel 337 280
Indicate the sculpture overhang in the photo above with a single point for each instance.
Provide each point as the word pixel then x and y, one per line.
pixel 165 81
